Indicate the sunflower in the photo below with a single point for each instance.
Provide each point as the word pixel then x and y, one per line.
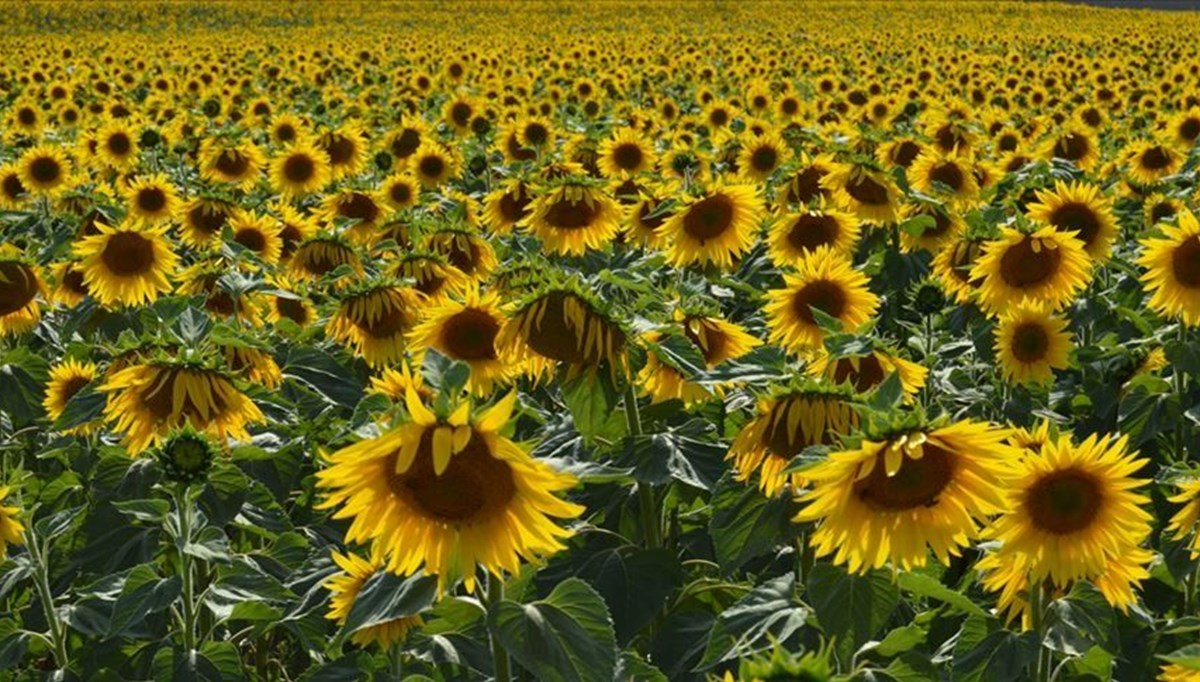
pixel 288 305
pixel 715 228
pixel 321 254
pixel 128 264
pixel 761 156
pixel 1030 344
pixel 148 401
pixel 404 141
pixel 458 112
pixel 1074 144
pixel 287 128
pixel 294 228
pixel 466 250
pixel 826 281
pixel 953 265
pixel 948 226
pixel 895 498
pixel 151 199
pixel 12 191
pixel 787 422
pixel 374 318
pixel 1073 514
pixel 526 138
pixel 867 193
pixel 573 218
pixel 10 526
pixel 69 286
pixel 719 340
pixel 299 169
pixel 1158 208
pixel 20 286
pixel 794 235
pixel 625 153
pixel 1172 274
pixel 1046 268
pixel 432 274
pixel 44 170
pixel 253 365
pixel 433 164
pixel 1176 672
pixel 66 379
pixel 450 494
pixel 507 205
pixel 562 324
pixel 466 331
pixel 345 149
pixel 399 191
pixel 117 145
pixel 236 164
pixel 203 278
pixel 899 153
pixel 344 588
pixel 806 184
pixel 663 381
pixel 867 371
pixel 1185 129
pixel 1079 209
pixel 946 175
pixel 1149 161
pixel 1187 519
pixel 202 221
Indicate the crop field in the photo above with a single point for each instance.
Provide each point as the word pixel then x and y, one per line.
pixel 553 341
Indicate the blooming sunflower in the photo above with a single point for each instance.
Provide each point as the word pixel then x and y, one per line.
pixel 1074 144
pixel 1030 344
pixel 299 169
pixel 69 286
pixel 761 156
pixel 450 494
pixel 1149 161
pixel 869 194
pixel 946 175
pixel 1046 268
pixel 788 421
pixel 44 170
pixel 466 331
pixel 345 149
pixel 823 280
pixel 1172 274
pixel 399 191
pixel 626 153
pixel 433 164
pixel 867 371
pixel 12 191
pixel 20 286
pixel 1187 519
pixel 715 228
pixel 806 184
pixel 66 379
pixel 562 324
pixel 571 219
pixel 896 498
pixel 374 318
pixel 202 221
pixel 147 401
pixel 953 266
pixel 151 199
pixel 507 205
pixel 1079 209
pixel 117 145
pixel 10 526
pixel 128 264
pixel 793 235
pixel 236 164
pixel 344 588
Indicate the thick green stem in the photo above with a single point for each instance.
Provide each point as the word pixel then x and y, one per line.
pixel 647 500
pixel 184 509
pixel 1037 608
pixel 58 635
pixel 495 593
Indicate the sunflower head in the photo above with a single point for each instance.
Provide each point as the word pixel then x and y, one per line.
pixel 824 281
pixel 374 317
pixel 186 456
pixel 716 227
pixel 21 287
pixel 1046 268
pixel 1172 264
pixel 573 217
pixel 11 529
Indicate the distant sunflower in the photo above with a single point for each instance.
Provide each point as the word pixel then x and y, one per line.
pixel 202 221
pixel 867 371
pixel 399 191
pixel 717 227
pixel 294 228
pixel 466 331
pixel 147 401
pixel 793 235
pixel 44 170
pixel 562 324
pixel 203 278
pixel 20 286
pixel 292 307
pixel 806 184
pixel 374 318
pixel 572 219
pixel 1079 209
pixel 346 150
pixel 151 199
pixel 896 498
pixel 1031 344
pixel 786 423
pixel 10 526
pixel 117 145
pixel 299 169
pixel 1074 144
pixel 128 264
pixel 404 141
pixel 1046 268
pixel 450 494
pixel 867 193
pixel 761 156
pixel 953 265
pixel 253 365
pixel 344 588
pixel 287 128
pixel 1185 129
pixel 238 164
pixel 69 286
pixel 626 153
pixel 465 249
pixel 947 175
pixel 948 225
pixel 1159 208
pixel 13 193
pixel 432 273
pixel 66 379
pixel 1172 266
pixel 823 280
pixel 258 233
pixel 433 164
pixel 1149 161
pixel 321 254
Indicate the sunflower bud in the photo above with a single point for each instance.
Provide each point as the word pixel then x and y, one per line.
pixel 186 456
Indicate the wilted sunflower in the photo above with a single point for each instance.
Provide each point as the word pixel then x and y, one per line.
pixel 826 281
pixel 717 227
pixel 1081 210
pixel 1030 344
pixel 626 153
pixel 148 401
pixel 894 499
pixel 44 170
pixel 465 249
pixel 794 235
pixel 562 324
pixel 66 379
pixel 238 164
pixel 346 150
pixel 432 273
pixel 128 264
pixel 10 526
pixel 344 588
pixel 1187 519
pixel 1046 268
pixel 151 199
pixel 20 286
pixel 867 371
pixel 1149 161
pixel 321 254
pixel 374 318
pixel 867 193
pixel 1172 274
pixel 571 219
pixel 449 494
pixel 788 421
pixel 299 169
pixel 761 156
pixel 1073 510
pixel 507 205
pixel 253 365
pixel 466 331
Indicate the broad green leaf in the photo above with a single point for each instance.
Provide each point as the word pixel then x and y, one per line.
pixel 1002 656
pixel 149 511
pixel 853 608
pixel 745 524
pixel 1079 621
pixel 1186 657
pixel 386 597
pixel 321 372
pixel 144 593
pixel 592 402
pixel 923 585
pixel 770 613
pixel 86 405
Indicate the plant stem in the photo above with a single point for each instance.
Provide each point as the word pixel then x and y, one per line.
pixel 1037 611
pixel 647 500
pixel 42 581
pixel 184 509
pixel 495 593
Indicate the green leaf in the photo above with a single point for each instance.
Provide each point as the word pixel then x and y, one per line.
pixel 770 613
pixel 923 585
pixel 660 457
pixel 853 608
pixel 86 405
pixel 888 394
pixel 321 372
pixel 566 637
pixel 745 524
pixel 631 666
pixel 143 593
pixel 634 583
pixel 911 667
pixel 896 642
pixel 214 662
pixel 150 511
pixel 14 642
pixel 592 402
pixel 1187 657
pixel 1079 621
pixel 23 374
pixel 918 224
pixel 1002 656
pixel 386 597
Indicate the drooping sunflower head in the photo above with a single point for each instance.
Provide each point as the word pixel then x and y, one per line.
pixel 507 205
pixel 344 588
pixel 466 249
pixel 466 331
pixel 718 339
pixel 824 281
pixel 1046 268
pixel 866 372
pixel 300 169
pixel 203 278
pixel 805 184
pixel 573 218
pixel 320 255
pixel 127 265
pixel 793 235
pixel 1172 264
pixel 1080 210
pixel 202 221
pixel 68 378
pixel 788 421
pixel 717 227
pixel 1031 343
pixel 953 266
pixel 893 499
pixel 21 289
pixel 432 273
pixel 252 361
pixel 870 194
pixel 358 211
pixel 373 319
pixel 450 494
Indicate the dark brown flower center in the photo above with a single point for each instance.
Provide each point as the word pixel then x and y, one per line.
pixel 151 199
pixel 812 230
pixel 12 187
pixel 1071 147
pixel 400 193
pixel 232 164
pixel 556 338
pixel 514 205
pixel 866 190
pixel 1190 129
pixel 784 442
pixel 299 168
pixel 432 167
pixel 1021 267
pixel 18 286
pixel 340 149
pixel 709 218
pixel 470 335
pixel 714 344
pixel 764 159
pixel 865 377
pixel 475 487
pixel 292 309
pixel 252 238
pixel 406 143
pixel 358 206
pixel 905 153
pixel 949 174
pixel 824 295
pixel 565 214
pixel 1185 262
pixel 627 156
pixel 1030 342
pixel 208 218
pixel 127 254
pixel 1077 217
pixel 1064 502
pixel 460 113
pixel 1161 211
pixel 917 483
pixel 45 170
pixel 119 144
pixel 1156 158
pixel 71 386
pixel 806 185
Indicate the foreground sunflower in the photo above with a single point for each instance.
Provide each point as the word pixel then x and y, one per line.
pixel 66 379
pixel 1046 268
pixel 893 499
pixel 20 286
pixel 625 153
pixel 466 331
pixel 344 588
pixel 788 421
pixel 716 228
pixel 563 324
pixel 374 318
pixel 571 219
pixel 44 170
pixel 127 264
pixel 1073 510
pixel 824 281
pixel 1079 209
pixel 1030 344
pixel 1172 274
pixel 10 527
pixel 148 401
pixel 449 494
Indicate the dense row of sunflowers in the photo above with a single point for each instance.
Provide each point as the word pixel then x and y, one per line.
pixel 718 347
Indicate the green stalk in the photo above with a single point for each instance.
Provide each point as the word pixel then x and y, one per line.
pixel 494 595
pixel 58 635
pixel 647 500
pixel 184 508
pixel 1037 613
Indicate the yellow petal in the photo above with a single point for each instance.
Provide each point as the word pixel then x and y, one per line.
pixel 441 449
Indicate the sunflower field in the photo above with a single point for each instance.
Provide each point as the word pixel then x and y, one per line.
pixel 703 341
